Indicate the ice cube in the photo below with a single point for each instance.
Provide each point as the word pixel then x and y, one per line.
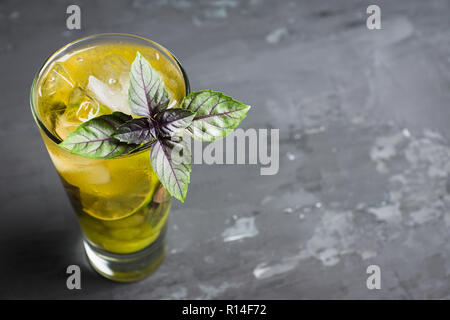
pixel 51 114
pixel 109 82
pixel 81 107
pixel 57 85
pixel 53 94
pixel 111 96
pixel 85 107
pixel 65 125
pixel 96 175
pixel 82 173
pixel 113 70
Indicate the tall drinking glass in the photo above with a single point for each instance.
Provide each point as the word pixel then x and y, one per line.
pixel 121 206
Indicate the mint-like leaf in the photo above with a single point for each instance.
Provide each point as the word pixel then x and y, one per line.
pixel 173 121
pixel 136 131
pixel 93 138
pixel 216 114
pixel 147 94
pixel 171 161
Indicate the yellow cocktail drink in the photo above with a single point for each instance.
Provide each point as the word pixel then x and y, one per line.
pixel 120 203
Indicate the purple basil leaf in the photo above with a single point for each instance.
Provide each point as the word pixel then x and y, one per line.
pixel 216 114
pixel 136 131
pixel 147 94
pixel 172 121
pixel 171 161
pixel 93 138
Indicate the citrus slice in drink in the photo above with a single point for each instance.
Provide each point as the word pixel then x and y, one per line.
pixel 130 187
pixel 109 189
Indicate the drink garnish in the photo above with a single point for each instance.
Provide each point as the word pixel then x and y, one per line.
pixel 204 115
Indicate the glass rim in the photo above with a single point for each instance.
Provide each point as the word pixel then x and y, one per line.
pixel 50 59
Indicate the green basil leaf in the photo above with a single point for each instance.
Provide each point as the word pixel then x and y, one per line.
pixel 216 114
pixel 93 138
pixel 147 94
pixel 171 160
pixel 173 121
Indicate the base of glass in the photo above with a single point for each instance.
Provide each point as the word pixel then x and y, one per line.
pixel 127 267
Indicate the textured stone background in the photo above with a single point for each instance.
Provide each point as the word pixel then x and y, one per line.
pixel 364 151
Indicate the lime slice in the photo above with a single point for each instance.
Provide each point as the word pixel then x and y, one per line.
pixel 116 207
pixel 110 189
pixel 126 235
pixel 130 187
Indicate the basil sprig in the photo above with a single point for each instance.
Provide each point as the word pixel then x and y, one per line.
pixel 204 115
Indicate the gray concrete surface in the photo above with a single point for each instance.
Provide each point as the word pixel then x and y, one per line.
pixel 364 152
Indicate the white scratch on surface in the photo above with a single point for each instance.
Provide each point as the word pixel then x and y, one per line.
pixel 211 292
pixel 431 154
pixel 424 215
pixel 333 234
pixel 224 3
pixel 288 210
pixel 406 133
pixel 216 13
pixel 389 213
pixel 290 156
pixel 333 237
pixel 242 228
pixel 263 270
pixel 367 254
pixel 384 149
pixel 267 199
pixel 276 35
pixel 177 4
pixel 179 294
